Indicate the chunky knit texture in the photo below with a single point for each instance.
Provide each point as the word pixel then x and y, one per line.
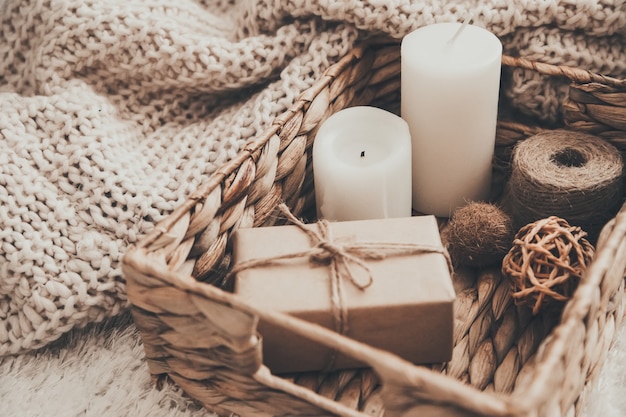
pixel 112 112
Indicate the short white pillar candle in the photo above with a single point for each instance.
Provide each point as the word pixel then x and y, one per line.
pixel 450 82
pixel 362 165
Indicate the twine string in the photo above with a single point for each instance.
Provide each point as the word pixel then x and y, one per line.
pixel 343 258
pixel 572 175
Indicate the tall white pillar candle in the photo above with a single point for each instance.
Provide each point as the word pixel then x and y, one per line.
pixel 450 83
pixel 362 165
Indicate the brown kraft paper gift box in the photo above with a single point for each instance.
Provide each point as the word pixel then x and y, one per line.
pixel 407 309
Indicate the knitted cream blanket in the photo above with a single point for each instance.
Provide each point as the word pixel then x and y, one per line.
pixel 113 111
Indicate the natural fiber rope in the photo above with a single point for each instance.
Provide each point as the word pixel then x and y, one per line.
pixel 340 255
pixel 572 175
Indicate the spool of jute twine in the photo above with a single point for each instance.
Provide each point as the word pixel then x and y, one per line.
pixel 572 175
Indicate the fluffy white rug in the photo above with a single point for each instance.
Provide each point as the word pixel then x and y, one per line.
pixel 100 372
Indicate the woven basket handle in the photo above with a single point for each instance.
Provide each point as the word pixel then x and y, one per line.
pixel 407 389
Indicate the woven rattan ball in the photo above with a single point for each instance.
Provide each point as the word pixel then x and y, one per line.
pixel 478 234
pixel 546 263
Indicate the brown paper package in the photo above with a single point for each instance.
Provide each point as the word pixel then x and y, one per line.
pixel 408 309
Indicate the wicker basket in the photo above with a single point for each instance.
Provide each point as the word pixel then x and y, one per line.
pixel 506 362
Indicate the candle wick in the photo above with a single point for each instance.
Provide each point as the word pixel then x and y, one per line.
pixel 362 154
pixel 468 18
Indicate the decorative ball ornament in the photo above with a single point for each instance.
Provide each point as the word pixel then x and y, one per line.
pixel 478 234
pixel 546 263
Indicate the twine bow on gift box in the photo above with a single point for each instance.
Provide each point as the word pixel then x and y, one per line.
pixel 342 257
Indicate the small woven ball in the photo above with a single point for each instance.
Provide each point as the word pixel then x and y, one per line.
pixel 546 263
pixel 478 234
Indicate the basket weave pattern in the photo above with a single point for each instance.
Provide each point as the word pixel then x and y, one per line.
pixel 506 362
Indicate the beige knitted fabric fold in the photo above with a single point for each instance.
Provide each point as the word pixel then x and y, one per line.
pixel 112 112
